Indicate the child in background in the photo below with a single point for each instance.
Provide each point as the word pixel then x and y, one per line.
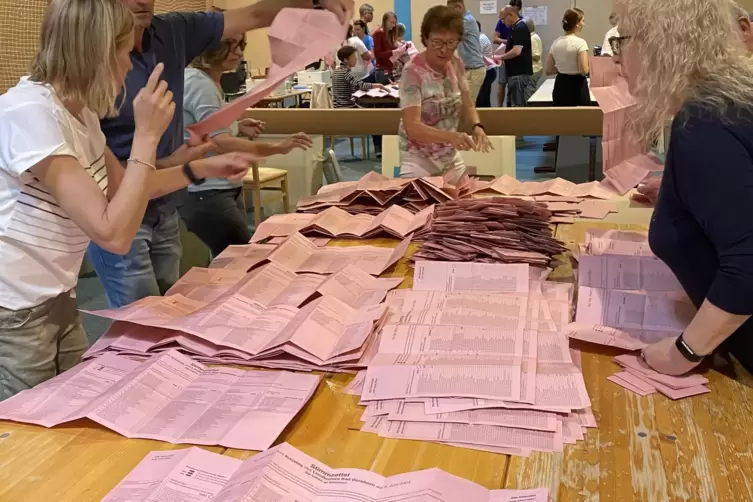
pixel 344 83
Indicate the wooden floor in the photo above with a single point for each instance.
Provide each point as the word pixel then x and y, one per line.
pixel 645 448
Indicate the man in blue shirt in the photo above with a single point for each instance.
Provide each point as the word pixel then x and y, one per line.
pixel 153 264
pixel 470 49
pixel 502 33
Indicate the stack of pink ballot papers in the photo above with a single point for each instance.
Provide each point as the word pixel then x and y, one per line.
pixel 489 230
pixel 270 317
pixel 637 377
pixel 627 301
pixel 564 200
pixel 374 193
pixel 474 356
pixel 334 222
pixel 284 473
pixel 169 398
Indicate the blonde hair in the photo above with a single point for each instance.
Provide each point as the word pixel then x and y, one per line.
pixel 77 51
pixel 711 66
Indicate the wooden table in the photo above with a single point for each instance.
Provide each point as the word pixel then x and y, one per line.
pixel 647 449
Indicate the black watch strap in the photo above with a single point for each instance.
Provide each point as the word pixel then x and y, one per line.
pixel 188 172
pixel 478 124
pixel 686 351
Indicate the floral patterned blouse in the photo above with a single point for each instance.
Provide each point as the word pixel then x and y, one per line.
pixel 439 96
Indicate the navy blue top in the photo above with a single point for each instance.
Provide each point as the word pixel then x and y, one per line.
pixel 173 39
pixel 702 226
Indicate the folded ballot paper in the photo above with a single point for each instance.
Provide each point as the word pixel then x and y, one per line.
pixel 640 379
pixel 285 473
pixel 270 317
pixel 169 398
pixel 296 38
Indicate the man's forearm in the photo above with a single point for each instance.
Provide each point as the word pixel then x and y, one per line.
pixel 512 53
pixel 258 15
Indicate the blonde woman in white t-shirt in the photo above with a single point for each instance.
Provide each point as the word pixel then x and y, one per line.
pixel 60 186
pixel 568 59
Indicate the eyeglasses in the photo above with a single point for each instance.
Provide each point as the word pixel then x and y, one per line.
pixel 616 43
pixel 232 45
pixel 439 44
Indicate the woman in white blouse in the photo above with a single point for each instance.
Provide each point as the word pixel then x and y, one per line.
pixel 568 59
pixel 60 186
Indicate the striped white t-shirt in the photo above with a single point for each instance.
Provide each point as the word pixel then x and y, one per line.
pixel 41 248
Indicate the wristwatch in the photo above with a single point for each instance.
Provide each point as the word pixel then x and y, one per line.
pixel 188 172
pixel 686 351
pixel 478 124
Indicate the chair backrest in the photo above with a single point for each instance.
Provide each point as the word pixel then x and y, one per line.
pixel 336 166
pixel 320 96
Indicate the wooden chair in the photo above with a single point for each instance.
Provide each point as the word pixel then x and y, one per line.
pixel 364 145
pixel 267 179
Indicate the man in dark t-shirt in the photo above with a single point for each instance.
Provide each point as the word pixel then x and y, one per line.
pixel 518 59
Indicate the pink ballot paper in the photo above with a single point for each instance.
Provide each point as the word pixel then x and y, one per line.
pixel 286 474
pixel 296 37
pixel 169 398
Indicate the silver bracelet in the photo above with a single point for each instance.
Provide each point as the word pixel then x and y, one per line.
pixel 147 164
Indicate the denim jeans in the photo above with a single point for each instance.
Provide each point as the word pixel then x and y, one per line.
pixel 39 343
pixel 152 265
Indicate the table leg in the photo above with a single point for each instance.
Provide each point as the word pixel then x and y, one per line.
pixel 592 158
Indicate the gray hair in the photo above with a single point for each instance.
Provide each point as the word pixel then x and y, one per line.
pixel 531 25
pixel 366 9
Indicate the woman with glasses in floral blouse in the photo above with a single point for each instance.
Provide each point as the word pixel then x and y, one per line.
pixel 433 97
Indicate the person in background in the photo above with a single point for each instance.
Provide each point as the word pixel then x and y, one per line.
pixel 403 59
pixel 648 191
pixel 344 82
pixel 361 70
pixel 469 49
pixel 501 35
pixel 568 59
pixel 152 264
pixel 62 185
pixel 215 210
pixel 536 51
pixel 366 11
pixel 434 96
pixel 518 59
pixel 484 99
pixel 700 227
pixel 385 45
pixel 613 32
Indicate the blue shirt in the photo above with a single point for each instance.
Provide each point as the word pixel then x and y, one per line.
pixel 504 30
pixel 174 39
pixel 470 47
pixel 202 98
pixel 701 226
pixel 368 41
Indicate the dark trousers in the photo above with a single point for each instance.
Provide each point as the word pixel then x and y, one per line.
pixel 571 90
pixel 217 217
pixel 379 76
pixel 484 99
